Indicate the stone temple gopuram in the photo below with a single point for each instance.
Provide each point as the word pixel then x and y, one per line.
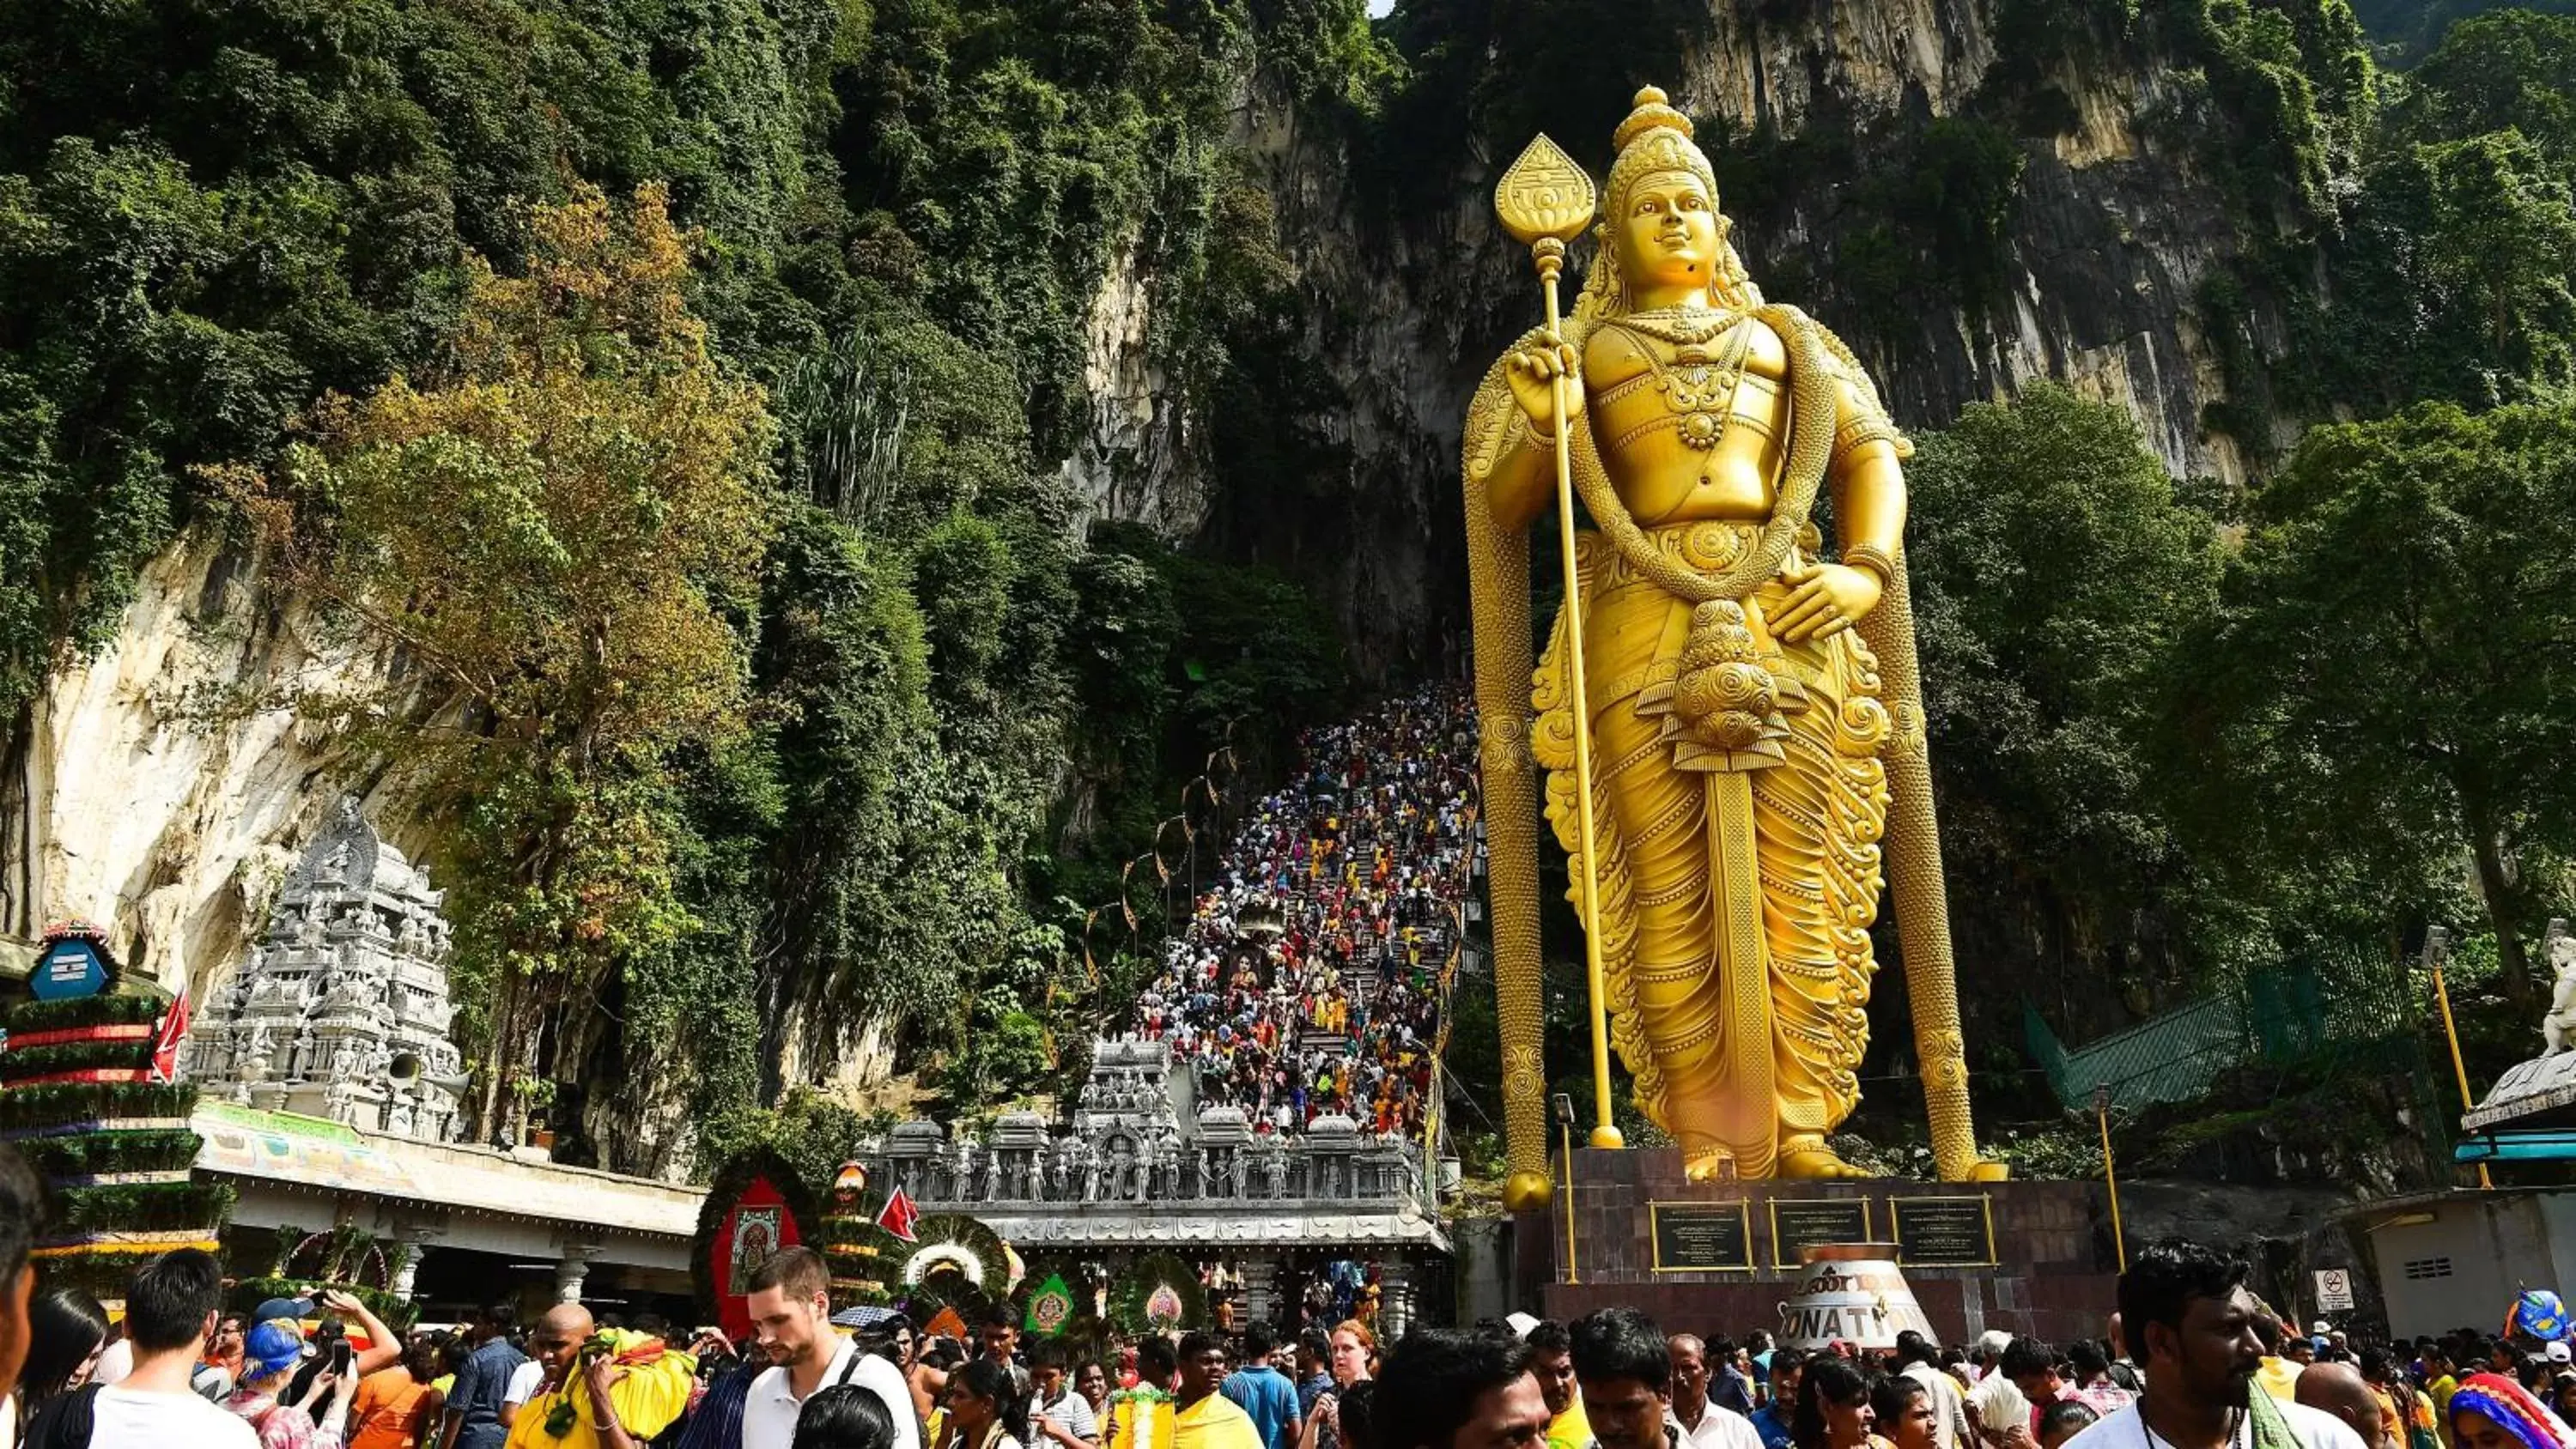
pixel 1143 1170
pixel 342 1012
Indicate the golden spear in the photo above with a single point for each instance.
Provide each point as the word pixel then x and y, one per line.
pixel 1545 201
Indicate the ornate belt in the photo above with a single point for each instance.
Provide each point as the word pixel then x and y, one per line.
pixel 1707 546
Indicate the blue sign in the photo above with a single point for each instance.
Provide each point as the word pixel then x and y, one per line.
pixel 69 967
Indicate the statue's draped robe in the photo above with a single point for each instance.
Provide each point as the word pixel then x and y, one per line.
pixel 1737 885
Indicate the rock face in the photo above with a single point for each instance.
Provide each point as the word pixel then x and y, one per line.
pixel 123 798
pixel 2106 251
pixel 148 790
pixel 1135 462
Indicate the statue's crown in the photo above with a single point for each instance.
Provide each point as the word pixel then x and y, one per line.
pixel 1652 113
pixel 1655 137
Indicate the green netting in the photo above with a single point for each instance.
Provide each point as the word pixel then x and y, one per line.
pixel 2170 1058
pixel 2331 1016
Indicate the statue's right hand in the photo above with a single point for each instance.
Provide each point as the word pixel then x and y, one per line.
pixel 1532 371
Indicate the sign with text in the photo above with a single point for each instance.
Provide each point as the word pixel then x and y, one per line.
pixel 2334 1290
pixel 1796 1225
pixel 1702 1237
pixel 1944 1232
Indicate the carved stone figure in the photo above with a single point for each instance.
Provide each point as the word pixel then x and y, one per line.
pixel 325 973
pixel 1726 695
pixel 2560 1023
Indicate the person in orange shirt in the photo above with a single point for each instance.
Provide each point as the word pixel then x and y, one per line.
pixel 395 1406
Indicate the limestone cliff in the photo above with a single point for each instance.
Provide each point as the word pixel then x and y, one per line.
pixel 121 799
pixel 158 788
pixel 1410 291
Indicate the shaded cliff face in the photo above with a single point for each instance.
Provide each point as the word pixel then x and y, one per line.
pixel 1327 443
pixel 1829 127
pixel 147 789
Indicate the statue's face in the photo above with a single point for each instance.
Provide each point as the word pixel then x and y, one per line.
pixel 1668 237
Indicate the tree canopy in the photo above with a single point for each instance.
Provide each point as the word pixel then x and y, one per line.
pixel 2386 693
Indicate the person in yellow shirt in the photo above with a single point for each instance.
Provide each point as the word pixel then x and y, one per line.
pixel 1551 1351
pixel 2441 1380
pixel 615 1390
pixel 1206 1419
pixel 2287 1354
pixel 1141 1417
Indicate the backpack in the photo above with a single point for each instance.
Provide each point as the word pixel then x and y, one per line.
pixel 64 1422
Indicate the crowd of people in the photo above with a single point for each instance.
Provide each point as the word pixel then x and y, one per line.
pixel 1308 980
pixel 2192 1360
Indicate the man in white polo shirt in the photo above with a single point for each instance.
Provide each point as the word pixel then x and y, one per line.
pixel 1700 1421
pixel 791 1315
pixel 2186 1306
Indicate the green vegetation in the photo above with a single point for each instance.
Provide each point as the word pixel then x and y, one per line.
pixel 880 648
pixel 674 390
pixel 2386 694
pixel 2056 573
pixel 2431 246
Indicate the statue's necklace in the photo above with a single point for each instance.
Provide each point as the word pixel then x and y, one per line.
pixel 1697 388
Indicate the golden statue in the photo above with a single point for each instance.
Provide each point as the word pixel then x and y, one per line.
pixel 1749 709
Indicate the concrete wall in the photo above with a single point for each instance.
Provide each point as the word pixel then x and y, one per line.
pixel 2459 1260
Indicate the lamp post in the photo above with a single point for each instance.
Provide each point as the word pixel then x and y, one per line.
pixel 2110 1175
pixel 1565 1131
pixel 2437 949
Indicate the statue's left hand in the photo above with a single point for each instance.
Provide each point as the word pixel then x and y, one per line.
pixel 1824 600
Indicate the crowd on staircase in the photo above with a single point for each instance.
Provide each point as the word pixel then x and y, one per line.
pixel 1308 981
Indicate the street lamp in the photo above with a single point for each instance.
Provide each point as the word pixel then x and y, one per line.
pixel 1565 1131
pixel 2110 1176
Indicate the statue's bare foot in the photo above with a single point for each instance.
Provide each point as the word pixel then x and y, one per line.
pixel 1809 1157
pixel 1715 1165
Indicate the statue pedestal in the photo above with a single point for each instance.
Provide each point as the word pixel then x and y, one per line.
pixel 2536 1093
pixel 1721 1257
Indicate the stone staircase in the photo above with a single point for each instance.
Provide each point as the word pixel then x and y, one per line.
pixel 1334 1043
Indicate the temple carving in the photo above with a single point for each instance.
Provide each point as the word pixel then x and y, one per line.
pixel 342 1011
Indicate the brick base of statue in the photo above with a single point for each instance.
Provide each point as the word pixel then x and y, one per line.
pixel 1722 1257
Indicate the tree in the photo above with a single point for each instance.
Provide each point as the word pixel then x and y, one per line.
pixel 2055 571
pixel 2502 242
pixel 2509 69
pixel 2392 685
pixel 552 540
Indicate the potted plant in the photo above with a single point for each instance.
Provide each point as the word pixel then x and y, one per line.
pixel 535 1094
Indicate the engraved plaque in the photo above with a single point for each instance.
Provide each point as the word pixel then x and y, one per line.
pixel 1944 1232
pixel 1702 1237
pixel 1796 1224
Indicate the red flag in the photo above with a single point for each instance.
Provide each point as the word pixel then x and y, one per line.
pixel 167 1036
pixel 899 1216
